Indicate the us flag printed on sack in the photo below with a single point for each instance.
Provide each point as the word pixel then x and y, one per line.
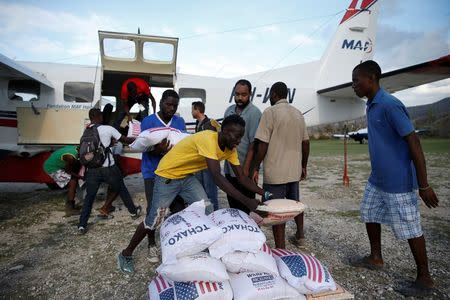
pixel 161 289
pixel 304 272
pixel 202 290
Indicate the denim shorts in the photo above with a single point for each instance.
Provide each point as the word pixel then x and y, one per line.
pixel 399 210
pixel 164 192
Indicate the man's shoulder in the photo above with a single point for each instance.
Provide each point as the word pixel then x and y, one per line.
pixel 254 109
pixel 230 109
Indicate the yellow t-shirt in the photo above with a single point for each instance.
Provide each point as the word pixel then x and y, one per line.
pixel 188 156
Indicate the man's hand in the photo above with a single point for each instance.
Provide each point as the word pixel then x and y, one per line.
pixel 255 176
pixel 429 197
pixel 129 117
pixel 162 148
pixel 304 173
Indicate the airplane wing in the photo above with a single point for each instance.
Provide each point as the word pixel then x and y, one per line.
pixel 400 79
pixel 11 69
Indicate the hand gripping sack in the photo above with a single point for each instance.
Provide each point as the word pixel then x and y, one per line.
pixel 303 272
pixel 262 261
pixel 262 286
pixel 279 211
pixel 195 267
pixel 92 153
pixel 187 232
pixel 240 233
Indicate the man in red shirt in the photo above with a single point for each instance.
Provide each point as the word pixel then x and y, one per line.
pixel 135 90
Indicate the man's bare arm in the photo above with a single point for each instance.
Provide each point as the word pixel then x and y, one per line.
pixel 425 191
pixel 227 187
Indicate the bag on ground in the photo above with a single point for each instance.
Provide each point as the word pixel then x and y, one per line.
pixel 240 233
pixel 187 232
pixel 162 289
pixel 262 286
pixel 195 267
pixel 262 261
pixel 280 211
pixel 303 272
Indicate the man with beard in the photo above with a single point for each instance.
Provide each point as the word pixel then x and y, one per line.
pixel 244 108
pixel 175 176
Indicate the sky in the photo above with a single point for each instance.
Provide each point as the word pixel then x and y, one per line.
pixel 228 38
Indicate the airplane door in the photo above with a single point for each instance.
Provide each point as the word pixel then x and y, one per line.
pixel 125 55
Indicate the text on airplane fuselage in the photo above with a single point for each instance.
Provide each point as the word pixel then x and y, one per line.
pixel 266 97
pixel 358 45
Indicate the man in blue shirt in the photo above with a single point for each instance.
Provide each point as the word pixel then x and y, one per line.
pixel 398 166
pixel 164 118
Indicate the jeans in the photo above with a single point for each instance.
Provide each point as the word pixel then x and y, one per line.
pixel 209 185
pixel 164 192
pixel 111 176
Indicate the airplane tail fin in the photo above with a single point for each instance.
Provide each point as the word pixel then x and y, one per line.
pixel 353 43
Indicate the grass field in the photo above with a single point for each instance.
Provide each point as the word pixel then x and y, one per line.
pixel 336 147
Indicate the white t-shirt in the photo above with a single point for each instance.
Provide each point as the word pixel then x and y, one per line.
pixel 107 132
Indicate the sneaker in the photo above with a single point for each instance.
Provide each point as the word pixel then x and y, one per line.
pixel 82 230
pixel 125 263
pixel 138 213
pixel 153 254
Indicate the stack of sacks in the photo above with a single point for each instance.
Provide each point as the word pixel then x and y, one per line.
pixel 252 269
pixel 134 128
pixel 262 261
pixel 279 211
pixel 153 136
pixel 186 272
pixel 262 286
pixel 303 272
pixel 240 233
pixel 162 289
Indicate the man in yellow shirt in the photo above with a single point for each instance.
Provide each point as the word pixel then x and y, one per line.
pixel 175 176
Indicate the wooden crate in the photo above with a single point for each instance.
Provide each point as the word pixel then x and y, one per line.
pixel 339 294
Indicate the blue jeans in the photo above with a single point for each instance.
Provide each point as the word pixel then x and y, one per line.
pixel 111 176
pixel 209 185
pixel 165 190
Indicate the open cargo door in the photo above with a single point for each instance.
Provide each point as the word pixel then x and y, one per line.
pixel 125 55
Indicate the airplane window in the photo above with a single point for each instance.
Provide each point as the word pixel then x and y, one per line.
pixel 108 100
pixel 24 90
pixel 118 48
pixel 78 91
pixel 158 51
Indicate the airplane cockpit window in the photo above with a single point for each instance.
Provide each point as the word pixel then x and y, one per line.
pixel 24 90
pixel 119 48
pixel 108 100
pixel 187 96
pixel 78 91
pixel 158 51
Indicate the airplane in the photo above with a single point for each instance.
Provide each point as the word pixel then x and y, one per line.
pixel 45 105
pixel 359 135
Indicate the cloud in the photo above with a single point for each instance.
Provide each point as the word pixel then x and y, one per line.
pixel 49 34
pixel 301 39
pixel 399 48
pixel 425 94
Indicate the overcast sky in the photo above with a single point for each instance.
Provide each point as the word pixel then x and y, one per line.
pixel 228 38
